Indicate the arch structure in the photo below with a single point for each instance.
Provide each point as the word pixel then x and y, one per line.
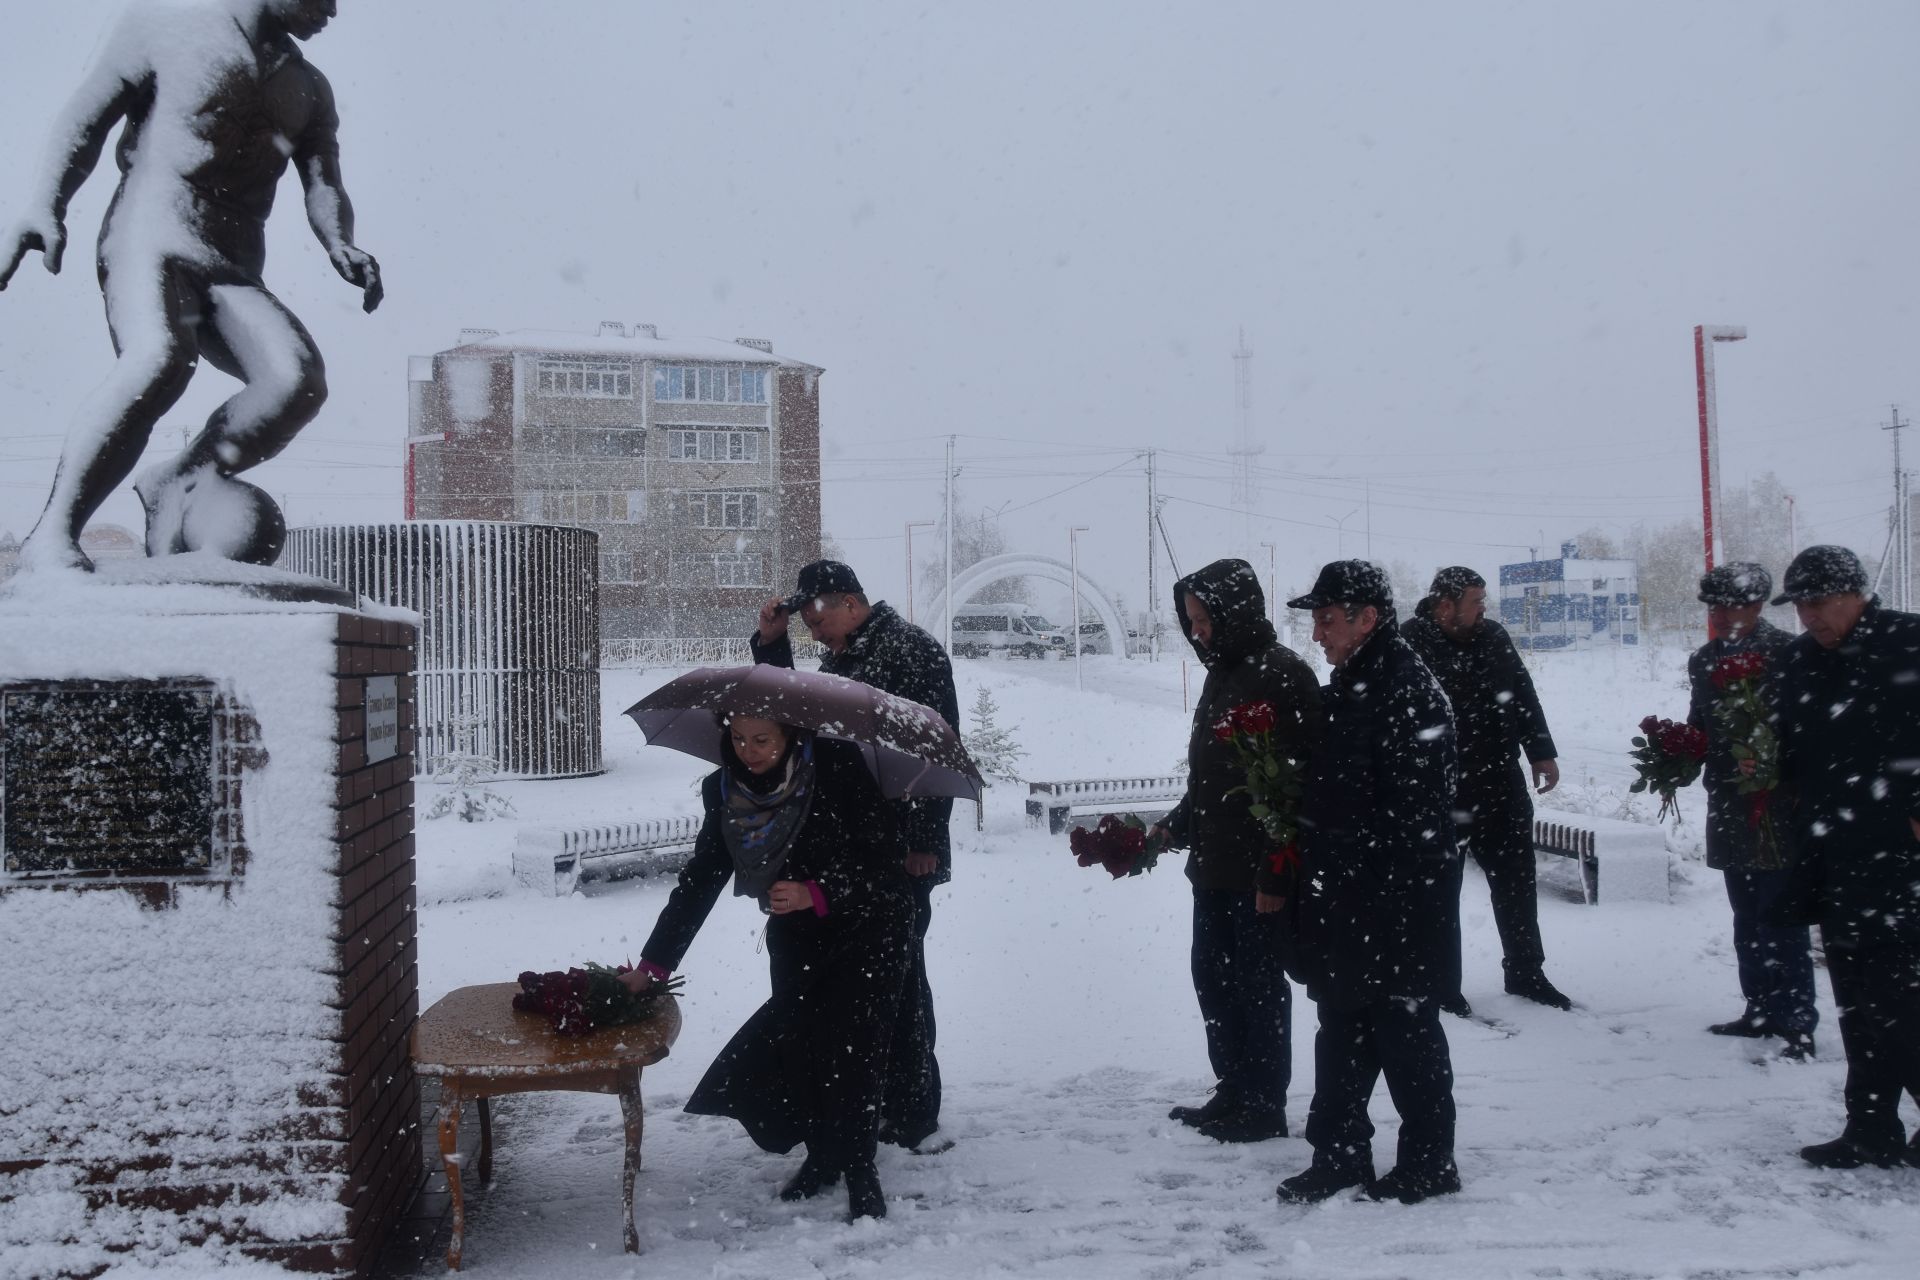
pixel 985 573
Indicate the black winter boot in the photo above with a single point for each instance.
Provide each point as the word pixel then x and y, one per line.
pixel 1799 1046
pixel 1532 985
pixel 1456 1004
pixel 1846 1153
pixel 815 1175
pixel 1322 1180
pixel 1246 1125
pixel 1212 1109
pixel 1750 1026
pixel 864 1197
pixel 1410 1186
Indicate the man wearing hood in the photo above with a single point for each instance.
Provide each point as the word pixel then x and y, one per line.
pixel 1498 718
pixel 1379 904
pixel 1239 891
pixel 873 644
pixel 1775 963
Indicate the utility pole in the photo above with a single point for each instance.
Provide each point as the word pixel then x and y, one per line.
pixel 1153 588
pixel 946 597
pixel 1244 451
pixel 1900 540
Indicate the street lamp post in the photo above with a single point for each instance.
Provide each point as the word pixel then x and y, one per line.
pixel 1340 527
pixel 911 526
pixel 1073 557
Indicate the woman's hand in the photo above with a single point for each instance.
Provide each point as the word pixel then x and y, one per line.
pixel 788 896
pixel 1268 903
pixel 637 981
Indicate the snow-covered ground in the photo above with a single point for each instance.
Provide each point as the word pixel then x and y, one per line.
pixel 1617 1141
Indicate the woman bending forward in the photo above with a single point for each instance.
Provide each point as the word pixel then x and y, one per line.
pixel 799 824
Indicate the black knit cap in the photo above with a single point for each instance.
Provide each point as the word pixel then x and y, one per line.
pixel 1454 581
pixel 1822 571
pixel 1739 582
pixel 1348 582
pixel 823 578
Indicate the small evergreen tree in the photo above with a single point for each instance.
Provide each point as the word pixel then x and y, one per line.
pixel 460 770
pixel 991 747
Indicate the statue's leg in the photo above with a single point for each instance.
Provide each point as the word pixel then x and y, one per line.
pixel 193 502
pixel 149 312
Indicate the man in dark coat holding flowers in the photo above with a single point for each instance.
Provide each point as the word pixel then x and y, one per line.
pixel 1378 903
pixel 1847 707
pixel 1775 961
pixel 1242 878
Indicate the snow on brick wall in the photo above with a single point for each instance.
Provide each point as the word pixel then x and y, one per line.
pixel 231 1064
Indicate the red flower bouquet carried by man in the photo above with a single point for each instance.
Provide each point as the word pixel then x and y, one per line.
pixel 1120 842
pixel 1666 757
pixel 1274 782
pixel 1743 716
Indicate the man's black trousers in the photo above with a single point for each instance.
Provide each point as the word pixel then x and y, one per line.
pixel 1240 979
pixel 1404 1041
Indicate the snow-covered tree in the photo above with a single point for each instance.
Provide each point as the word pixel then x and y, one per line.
pixel 460 771
pixel 992 747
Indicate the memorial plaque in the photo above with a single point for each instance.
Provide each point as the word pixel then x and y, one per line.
pixel 382 718
pixel 107 778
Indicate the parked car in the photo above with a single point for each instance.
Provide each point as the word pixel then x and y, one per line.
pixel 981 630
pixel 1094 639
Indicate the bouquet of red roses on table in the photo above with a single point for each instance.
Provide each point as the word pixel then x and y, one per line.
pixel 1743 715
pixel 1667 757
pixel 1121 843
pixel 581 1001
pixel 1274 782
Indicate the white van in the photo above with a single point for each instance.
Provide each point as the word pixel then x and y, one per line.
pixel 981 630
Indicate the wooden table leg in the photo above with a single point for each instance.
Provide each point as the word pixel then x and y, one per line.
pixel 450 1156
pixel 631 1112
pixel 486 1144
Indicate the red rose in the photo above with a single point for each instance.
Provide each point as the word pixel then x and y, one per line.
pixel 1223 728
pixel 1650 725
pixel 1741 666
pixel 1254 717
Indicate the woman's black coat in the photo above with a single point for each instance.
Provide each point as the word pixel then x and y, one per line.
pixel 807 1066
pixel 1377 910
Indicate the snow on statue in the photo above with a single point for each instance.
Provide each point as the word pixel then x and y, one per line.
pixel 217 99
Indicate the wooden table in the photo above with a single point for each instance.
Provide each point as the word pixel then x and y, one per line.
pixel 480 1047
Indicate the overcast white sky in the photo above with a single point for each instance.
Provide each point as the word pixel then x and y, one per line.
pixel 1467 243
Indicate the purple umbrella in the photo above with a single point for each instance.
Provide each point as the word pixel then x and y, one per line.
pixel 909 748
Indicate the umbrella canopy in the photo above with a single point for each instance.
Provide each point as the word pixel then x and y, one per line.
pixel 909 748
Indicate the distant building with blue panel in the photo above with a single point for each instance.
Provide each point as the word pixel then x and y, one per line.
pixel 1571 602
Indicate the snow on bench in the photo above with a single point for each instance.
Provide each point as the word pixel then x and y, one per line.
pixel 552 859
pixel 1056 802
pixel 1635 854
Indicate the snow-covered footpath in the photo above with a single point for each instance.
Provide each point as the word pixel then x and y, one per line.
pixel 1617 1141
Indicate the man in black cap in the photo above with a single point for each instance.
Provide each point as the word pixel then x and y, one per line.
pixel 873 644
pixel 1499 720
pixel 1775 961
pixel 1378 903
pixel 1847 704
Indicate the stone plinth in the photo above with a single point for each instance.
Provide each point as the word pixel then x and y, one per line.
pixel 209 1050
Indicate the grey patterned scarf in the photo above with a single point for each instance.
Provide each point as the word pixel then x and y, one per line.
pixel 758 826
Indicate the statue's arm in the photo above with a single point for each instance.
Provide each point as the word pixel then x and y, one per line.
pixel 329 211
pixel 104 98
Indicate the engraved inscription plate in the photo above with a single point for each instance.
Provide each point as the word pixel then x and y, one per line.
pixel 383 718
pixel 104 777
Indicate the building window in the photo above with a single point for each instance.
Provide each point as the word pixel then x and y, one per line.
pixel 722 510
pixel 589 379
pixel 710 384
pixel 621 442
pixel 715 446
pixel 616 566
pixel 621 506
pixel 738 569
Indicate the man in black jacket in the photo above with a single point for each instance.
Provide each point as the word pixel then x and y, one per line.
pixel 873 644
pixel 1378 903
pixel 1239 889
pixel 1497 715
pixel 1848 707
pixel 1775 961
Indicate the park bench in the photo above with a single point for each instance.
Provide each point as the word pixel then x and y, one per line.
pixel 1635 854
pixel 1057 803
pixel 553 859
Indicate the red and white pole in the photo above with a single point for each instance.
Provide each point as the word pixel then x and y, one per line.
pixel 1704 336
